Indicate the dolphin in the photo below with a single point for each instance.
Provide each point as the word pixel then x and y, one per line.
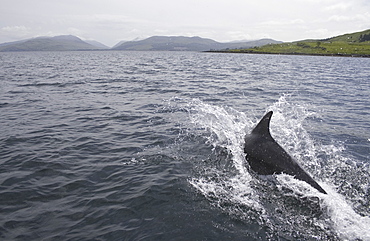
pixel 266 157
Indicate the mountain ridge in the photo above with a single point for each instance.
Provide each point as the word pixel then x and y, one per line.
pixel 182 43
pixel 55 43
pixel 154 43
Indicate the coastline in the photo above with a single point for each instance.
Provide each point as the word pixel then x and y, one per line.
pixel 283 53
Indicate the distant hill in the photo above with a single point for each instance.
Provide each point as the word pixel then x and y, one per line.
pixel 358 37
pixel 97 44
pixel 123 41
pixel 119 43
pixel 179 43
pixel 57 43
pixel 353 44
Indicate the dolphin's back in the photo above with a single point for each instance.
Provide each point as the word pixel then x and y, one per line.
pixel 266 157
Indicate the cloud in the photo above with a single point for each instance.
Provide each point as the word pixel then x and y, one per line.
pixel 15 32
pixel 346 18
pixel 110 19
pixel 15 29
pixel 115 20
pixel 75 31
pixel 318 32
pixel 283 22
pixel 338 7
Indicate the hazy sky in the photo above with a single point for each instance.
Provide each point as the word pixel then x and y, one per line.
pixel 111 21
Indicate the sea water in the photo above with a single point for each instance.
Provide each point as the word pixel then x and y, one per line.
pixel 149 146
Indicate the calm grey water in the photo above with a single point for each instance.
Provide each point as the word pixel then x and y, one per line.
pixel 148 146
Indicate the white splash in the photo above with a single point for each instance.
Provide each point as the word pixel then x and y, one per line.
pixel 348 224
pixel 226 128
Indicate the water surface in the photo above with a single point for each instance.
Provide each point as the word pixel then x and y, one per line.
pixel 149 146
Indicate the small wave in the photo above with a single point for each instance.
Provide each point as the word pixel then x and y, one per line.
pixel 4 104
pixel 41 84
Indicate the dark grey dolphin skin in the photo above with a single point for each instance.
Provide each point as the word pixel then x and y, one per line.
pixel 266 157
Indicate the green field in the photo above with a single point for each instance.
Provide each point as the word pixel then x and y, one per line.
pixel 355 44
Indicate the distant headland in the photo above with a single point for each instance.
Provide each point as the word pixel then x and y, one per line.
pixel 348 45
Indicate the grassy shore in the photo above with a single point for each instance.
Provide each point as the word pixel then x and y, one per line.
pixel 353 45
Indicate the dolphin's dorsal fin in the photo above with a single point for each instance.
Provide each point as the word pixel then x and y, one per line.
pixel 263 127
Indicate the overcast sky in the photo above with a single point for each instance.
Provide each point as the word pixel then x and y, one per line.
pixel 111 21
